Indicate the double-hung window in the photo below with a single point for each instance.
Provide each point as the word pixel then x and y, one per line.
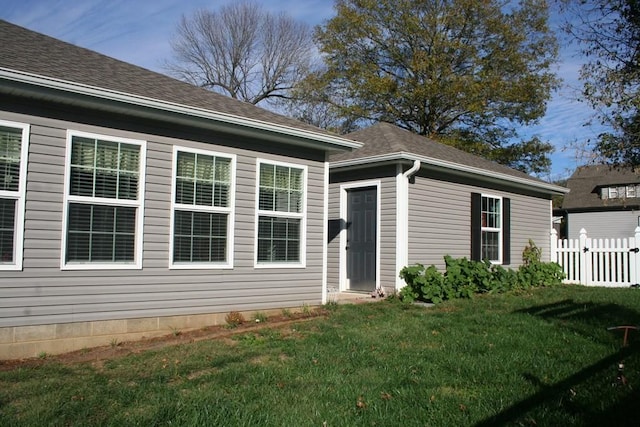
pixel 104 191
pixel 202 209
pixel 281 216
pixel 13 176
pixel 490 228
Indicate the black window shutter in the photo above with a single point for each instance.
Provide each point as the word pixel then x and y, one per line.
pixel 506 231
pixel 476 226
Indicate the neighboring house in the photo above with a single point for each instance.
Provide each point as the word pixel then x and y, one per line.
pixel 132 203
pixel 603 200
pixel 403 199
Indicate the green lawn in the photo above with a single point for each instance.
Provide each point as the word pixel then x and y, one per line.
pixel 535 358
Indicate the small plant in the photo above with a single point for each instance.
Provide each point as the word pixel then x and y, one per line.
pixel 306 310
pixel 259 317
pixel 534 272
pixel 114 343
pixel 234 319
pixel 175 331
pixel 531 254
pixel 331 304
pixel 43 355
pixel 286 313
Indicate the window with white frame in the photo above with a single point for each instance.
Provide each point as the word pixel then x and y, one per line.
pixel 491 228
pixel 627 191
pixel 13 169
pixel 104 201
pixel 281 213
pixel 202 208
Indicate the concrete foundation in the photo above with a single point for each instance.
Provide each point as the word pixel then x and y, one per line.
pixel 34 341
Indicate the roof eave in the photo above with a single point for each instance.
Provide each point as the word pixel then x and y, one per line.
pixel 453 167
pixel 603 208
pixel 26 84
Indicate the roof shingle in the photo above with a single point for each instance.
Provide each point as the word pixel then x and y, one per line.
pixel 586 180
pixel 31 52
pixel 385 138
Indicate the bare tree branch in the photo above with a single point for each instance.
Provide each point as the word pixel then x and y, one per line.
pixel 242 51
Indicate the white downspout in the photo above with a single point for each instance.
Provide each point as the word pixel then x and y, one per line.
pixel 402 218
pixel 416 166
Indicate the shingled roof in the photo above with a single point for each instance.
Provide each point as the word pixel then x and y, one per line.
pixel 26 51
pixel 586 181
pixel 385 140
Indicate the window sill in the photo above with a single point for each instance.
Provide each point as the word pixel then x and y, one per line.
pixel 200 266
pixel 100 266
pixel 10 267
pixel 290 265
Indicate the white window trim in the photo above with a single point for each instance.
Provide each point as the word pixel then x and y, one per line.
pixel 493 229
pixel 139 204
pixel 230 211
pixel 344 284
pixel 20 197
pixel 294 215
pixel 611 193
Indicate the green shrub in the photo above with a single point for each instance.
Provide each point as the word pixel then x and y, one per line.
pixel 534 272
pixel 434 286
pixel 540 274
pixel 503 279
pixel 464 278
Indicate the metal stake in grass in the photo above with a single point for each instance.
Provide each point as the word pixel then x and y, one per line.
pixel 621 380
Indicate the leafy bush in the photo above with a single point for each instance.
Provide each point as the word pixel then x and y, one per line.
pixel 540 274
pixel 464 278
pixel 534 272
pixel 503 279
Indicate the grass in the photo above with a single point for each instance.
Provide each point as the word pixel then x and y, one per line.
pixel 536 358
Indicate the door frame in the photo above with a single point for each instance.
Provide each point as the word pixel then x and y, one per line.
pixel 344 188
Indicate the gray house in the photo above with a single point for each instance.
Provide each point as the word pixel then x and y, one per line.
pixel 133 203
pixel 604 200
pixel 403 199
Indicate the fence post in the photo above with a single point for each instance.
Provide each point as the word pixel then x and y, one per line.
pixel 553 247
pixel 584 258
pixel 634 259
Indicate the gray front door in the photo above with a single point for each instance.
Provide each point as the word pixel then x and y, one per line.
pixel 361 238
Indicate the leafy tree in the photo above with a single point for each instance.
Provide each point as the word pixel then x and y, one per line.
pixel 466 72
pixel 242 51
pixel 609 33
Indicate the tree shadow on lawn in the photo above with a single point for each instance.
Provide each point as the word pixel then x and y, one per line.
pixel 592 396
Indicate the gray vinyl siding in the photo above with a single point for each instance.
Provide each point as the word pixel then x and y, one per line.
pixel 333 244
pixel 388 233
pixel 602 225
pixel 387 221
pixel 44 294
pixel 440 221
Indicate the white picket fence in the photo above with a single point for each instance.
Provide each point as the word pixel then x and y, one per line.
pixel 598 262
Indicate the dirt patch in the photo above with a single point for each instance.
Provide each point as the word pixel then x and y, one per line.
pixel 97 355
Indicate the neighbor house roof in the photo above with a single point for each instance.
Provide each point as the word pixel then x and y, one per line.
pixel 586 182
pixel 387 142
pixel 30 60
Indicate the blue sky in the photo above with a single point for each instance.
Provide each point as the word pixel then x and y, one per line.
pixel 138 31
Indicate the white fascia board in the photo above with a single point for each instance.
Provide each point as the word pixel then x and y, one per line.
pixel 464 169
pixel 127 98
